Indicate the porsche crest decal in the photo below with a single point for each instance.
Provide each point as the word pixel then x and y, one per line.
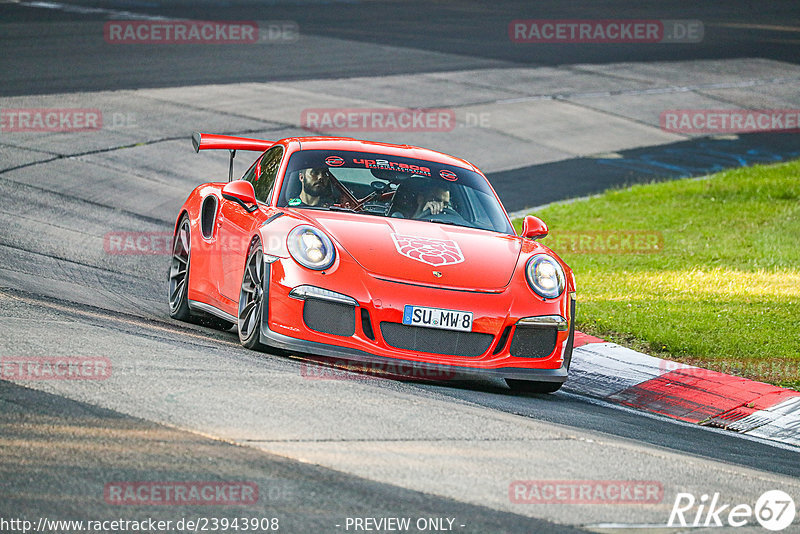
pixel 434 252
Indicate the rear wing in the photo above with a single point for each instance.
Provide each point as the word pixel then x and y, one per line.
pixel 201 141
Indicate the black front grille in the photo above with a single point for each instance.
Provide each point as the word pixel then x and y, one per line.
pixel 329 317
pixel 534 341
pixel 434 340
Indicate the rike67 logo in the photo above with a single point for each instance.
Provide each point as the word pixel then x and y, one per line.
pixel 774 510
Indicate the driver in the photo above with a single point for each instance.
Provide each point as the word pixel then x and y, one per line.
pixel 434 200
pixel 316 188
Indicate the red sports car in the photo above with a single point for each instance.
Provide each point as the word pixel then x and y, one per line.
pixel 376 253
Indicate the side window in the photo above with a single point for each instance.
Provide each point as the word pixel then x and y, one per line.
pixel 479 212
pixel 250 175
pixel 262 174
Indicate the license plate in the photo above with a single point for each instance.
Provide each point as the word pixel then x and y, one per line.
pixel 437 318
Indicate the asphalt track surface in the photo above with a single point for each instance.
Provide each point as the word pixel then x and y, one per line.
pixel 187 403
pixel 465 35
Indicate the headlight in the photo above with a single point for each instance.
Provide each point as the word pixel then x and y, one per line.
pixel 545 276
pixel 311 247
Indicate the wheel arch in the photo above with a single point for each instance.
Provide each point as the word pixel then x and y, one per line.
pixel 178 219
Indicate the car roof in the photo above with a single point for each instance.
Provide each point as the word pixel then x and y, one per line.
pixel 388 149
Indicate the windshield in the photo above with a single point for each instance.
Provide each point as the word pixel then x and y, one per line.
pixel 391 186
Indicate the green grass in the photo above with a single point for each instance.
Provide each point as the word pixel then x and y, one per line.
pixel 723 290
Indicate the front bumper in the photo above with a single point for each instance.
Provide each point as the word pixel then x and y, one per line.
pixel 371 311
pixel 407 368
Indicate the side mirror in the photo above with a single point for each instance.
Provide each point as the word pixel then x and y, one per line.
pixel 534 228
pixel 241 192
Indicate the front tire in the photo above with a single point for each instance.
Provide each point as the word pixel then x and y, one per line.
pixel 252 299
pixel 529 386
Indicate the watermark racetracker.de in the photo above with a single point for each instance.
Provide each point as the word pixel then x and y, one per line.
pixel 174 493
pixel 721 121
pixel 125 243
pixel 55 368
pixel 27 120
pixel 357 371
pixel 641 31
pixel 138 243
pixel 378 120
pixel 606 242
pixel 143 524
pixel 769 370
pixel 50 119
pixel 182 32
pixel 586 492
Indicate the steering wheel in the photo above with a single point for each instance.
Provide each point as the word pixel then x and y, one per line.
pixel 445 211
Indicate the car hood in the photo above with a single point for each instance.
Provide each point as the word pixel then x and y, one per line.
pixel 424 252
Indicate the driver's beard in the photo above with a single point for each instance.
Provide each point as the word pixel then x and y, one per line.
pixel 316 189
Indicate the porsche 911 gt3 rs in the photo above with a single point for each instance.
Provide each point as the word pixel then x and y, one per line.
pixel 373 252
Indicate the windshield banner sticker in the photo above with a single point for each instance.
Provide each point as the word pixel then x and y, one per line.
pixel 392 166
